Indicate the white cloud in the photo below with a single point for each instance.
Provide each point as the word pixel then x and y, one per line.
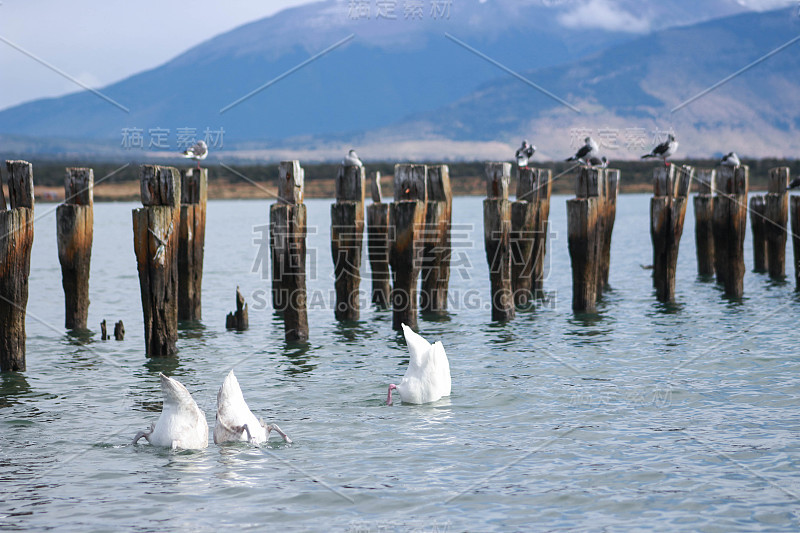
pixel 605 15
pixel 765 5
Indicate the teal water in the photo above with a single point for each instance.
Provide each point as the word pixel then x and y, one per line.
pixel 643 417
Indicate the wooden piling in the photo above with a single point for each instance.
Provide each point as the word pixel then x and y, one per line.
pixel 758 216
pixel 16 240
pixel 191 242
pixel 347 236
pixel 584 235
pixel 608 211
pixel 523 235
pixel 703 221
pixel 435 270
pixel 119 331
pixel 497 239
pixel 74 230
pixel 378 244
pixel 671 187
pixel 795 224
pixel 103 330
pixel 407 216
pixel 730 221
pixel 155 241
pixel 777 216
pixel 238 319
pixel 288 246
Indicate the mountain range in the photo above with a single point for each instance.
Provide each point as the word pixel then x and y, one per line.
pixel 430 84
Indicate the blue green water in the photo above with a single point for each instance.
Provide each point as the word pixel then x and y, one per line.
pixel 643 417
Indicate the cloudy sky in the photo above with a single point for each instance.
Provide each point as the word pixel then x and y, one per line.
pixel 102 41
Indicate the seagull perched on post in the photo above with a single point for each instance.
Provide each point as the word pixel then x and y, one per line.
pixel 730 160
pixel 198 152
pixel 794 184
pixel 664 150
pixel 524 154
pixel 586 152
pixel 352 160
pixel 599 162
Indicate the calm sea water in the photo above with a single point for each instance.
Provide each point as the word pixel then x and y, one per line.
pixel 642 417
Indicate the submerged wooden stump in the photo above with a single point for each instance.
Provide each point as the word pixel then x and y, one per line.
pixel 497 240
pixel 730 221
pixel 74 232
pixel 378 244
pixel 435 270
pixel 155 241
pixel 407 215
pixel 191 239
pixel 671 187
pixel 288 246
pixel 119 331
pixel 347 237
pixel 238 319
pixel 16 240
pixel 703 221
pixel 585 238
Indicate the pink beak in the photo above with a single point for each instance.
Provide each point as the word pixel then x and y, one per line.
pixel 389 397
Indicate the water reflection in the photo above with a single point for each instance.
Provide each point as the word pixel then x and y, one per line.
pixel 298 353
pixel 13 386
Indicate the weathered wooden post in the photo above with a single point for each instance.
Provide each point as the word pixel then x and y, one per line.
pixel 543 182
pixel 608 210
pixel 378 243
pixel 758 216
pixel 795 216
pixel 191 239
pixel 777 215
pixel 407 215
pixel 74 229
pixel 703 221
pixel 584 234
pixel 730 223
pixel 155 241
pixel 16 240
pixel 288 244
pixel 347 237
pixel 497 239
pixel 238 319
pixel 523 235
pixel 671 187
pixel 436 248
pixel 119 331
pixel 103 331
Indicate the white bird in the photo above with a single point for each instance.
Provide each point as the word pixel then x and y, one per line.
pixel 586 152
pixel 352 160
pixel 427 378
pixel 198 152
pixel 235 422
pixel 600 162
pixel 730 160
pixel 182 424
pixel 664 150
pixel 524 154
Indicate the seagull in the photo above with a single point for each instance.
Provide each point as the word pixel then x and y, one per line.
pixel 352 160
pixel 427 378
pixel 235 422
pixel 198 152
pixel 586 152
pixel 730 160
pixel 182 424
pixel 794 184
pixel 601 162
pixel 524 154
pixel 664 150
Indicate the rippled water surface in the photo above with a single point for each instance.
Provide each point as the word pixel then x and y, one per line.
pixel 641 417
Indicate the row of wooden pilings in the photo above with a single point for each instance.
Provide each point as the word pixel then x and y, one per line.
pixel 407 239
